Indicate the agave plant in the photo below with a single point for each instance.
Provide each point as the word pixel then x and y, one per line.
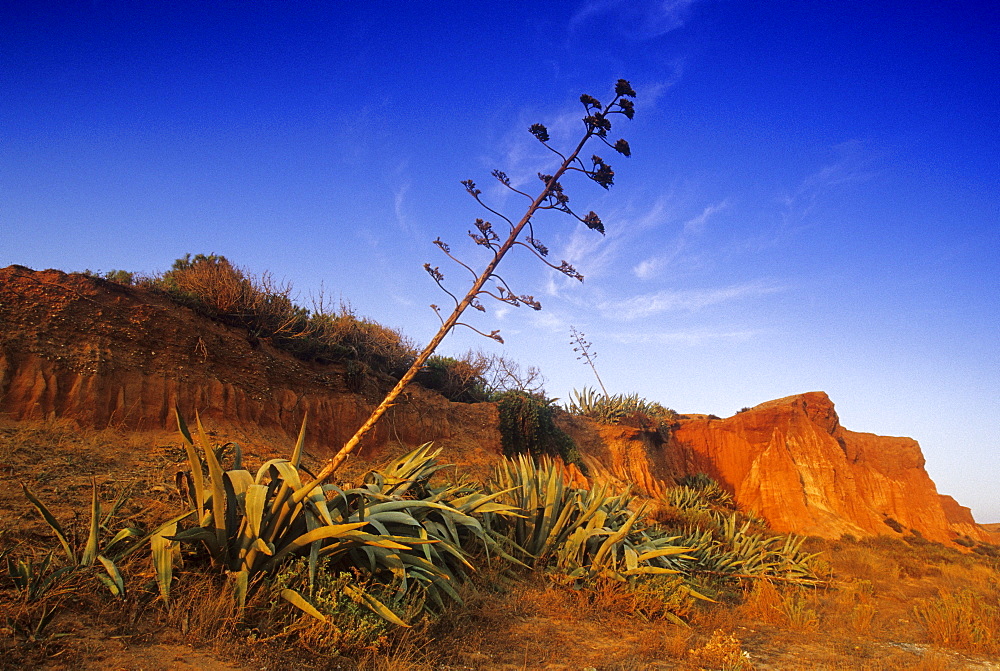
pixel 36 580
pixel 732 551
pixel 612 409
pixel 706 498
pixel 439 523
pixel 251 523
pixel 394 524
pixel 581 533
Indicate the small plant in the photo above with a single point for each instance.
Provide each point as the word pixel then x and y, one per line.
pixel 36 581
pixel 459 380
pixel 338 620
pixel 585 352
pixel 722 651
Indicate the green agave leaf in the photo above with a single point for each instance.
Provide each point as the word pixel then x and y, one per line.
pixel 663 552
pixel 263 547
pixel 374 605
pixel 90 550
pixel 114 580
pixel 254 503
pixel 240 480
pixel 241 585
pixel 194 461
pixel 650 570
pixel 217 492
pixel 122 535
pixel 142 541
pixel 631 559
pixel 163 558
pixel 52 522
pixel 318 534
pixel 192 535
pixel 392 517
pixel 299 601
pixel 300 442
pixel 265 470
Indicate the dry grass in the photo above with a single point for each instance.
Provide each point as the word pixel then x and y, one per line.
pixel 793 608
pixel 964 620
pixel 721 651
pixel 866 620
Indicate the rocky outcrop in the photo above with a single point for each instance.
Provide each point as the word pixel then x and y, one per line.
pixel 791 462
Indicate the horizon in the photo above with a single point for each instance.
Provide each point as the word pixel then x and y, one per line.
pixel 812 201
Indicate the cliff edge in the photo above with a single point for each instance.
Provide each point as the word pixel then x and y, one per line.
pixel 78 348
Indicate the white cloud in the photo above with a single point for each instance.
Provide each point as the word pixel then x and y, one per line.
pixel 398 202
pixel 692 337
pixel 852 165
pixel 696 225
pixel 637 19
pixel 671 300
pixel 650 267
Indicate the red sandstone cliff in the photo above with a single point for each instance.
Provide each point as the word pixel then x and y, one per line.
pixel 791 462
pixel 77 348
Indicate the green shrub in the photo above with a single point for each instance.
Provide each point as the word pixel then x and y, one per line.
pixel 893 524
pixel 343 336
pixel 215 287
pixel 348 626
pixel 459 380
pixel 527 426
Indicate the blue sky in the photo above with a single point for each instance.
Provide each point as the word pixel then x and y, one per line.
pixel 812 201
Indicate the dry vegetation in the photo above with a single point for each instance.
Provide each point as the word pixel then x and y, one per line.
pixel 887 604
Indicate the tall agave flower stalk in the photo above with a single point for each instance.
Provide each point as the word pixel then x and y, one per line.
pixel 597 124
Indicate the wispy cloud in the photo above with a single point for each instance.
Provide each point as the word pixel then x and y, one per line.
pixel 853 164
pixel 690 300
pixel 638 19
pixel 692 337
pixel 399 176
pixel 398 202
pixel 652 266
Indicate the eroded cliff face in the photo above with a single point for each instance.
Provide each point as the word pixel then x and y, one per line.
pixel 791 462
pixel 101 354
pixel 80 349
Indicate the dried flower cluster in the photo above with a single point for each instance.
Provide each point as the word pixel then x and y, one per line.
pixel 597 123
